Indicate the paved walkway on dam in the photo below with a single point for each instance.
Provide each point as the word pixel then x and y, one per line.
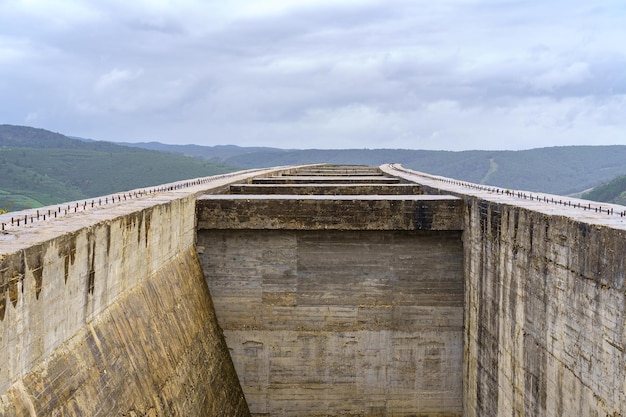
pixel 604 214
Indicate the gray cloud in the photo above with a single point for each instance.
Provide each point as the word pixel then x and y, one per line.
pixel 491 74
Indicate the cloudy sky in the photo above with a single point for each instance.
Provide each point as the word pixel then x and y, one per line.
pixel 444 74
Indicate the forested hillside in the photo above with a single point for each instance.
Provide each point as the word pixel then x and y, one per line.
pixel 558 170
pixel 611 192
pixel 38 167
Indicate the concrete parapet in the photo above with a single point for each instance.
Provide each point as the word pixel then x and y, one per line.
pixel 324 179
pixel 361 212
pixel 327 189
pixel 338 170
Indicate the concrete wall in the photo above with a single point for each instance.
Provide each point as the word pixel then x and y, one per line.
pixel 332 323
pixel 304 212
pixel 545 318
pixel 156 351
pixel 326 189
pixel 106 312
pixel 545 329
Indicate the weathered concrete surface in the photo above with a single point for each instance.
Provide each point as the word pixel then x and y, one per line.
pixel 336 170
pixel 545 328
pixel 325 179
pixel 106 313
pixel 327 189
pixel 334 323
pixel 156 351
pixel 361 212
pixel 549 293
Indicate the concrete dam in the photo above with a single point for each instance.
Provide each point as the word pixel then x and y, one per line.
pixel 314 291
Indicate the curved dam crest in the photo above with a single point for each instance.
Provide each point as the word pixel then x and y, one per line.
pixel 316 291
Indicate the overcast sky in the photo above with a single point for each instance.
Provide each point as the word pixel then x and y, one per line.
pixel 437 74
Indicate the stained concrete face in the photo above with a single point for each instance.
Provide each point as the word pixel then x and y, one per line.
pixel 326 189
pixel 341 323
pixel 339 305
pixel 546 330
pixel 305 212
pixel 150 353
pixel 326 179
pixel 545 304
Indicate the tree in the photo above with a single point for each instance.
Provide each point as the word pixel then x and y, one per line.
pixel 7 206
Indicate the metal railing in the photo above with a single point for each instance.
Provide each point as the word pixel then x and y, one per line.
pixel 525 195
pixel 46 213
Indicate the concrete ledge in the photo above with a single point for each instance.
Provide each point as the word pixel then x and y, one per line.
pixel 327 189
pixel 338 172
pixel 361 212
pixel 324 179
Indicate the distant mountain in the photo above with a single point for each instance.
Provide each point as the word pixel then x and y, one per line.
pixel 611 192
pixel 217 153
pixel 39 167
pixel 30 137
pixel 558 170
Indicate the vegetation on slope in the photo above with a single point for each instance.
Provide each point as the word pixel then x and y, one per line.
pixel 217 153
pixel 558 170
pixel 38 167
pixel 611 192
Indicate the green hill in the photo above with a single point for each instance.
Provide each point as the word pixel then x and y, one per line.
pixel 611 192
pixel 38 168
pixel 558 170
pixel 217 153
